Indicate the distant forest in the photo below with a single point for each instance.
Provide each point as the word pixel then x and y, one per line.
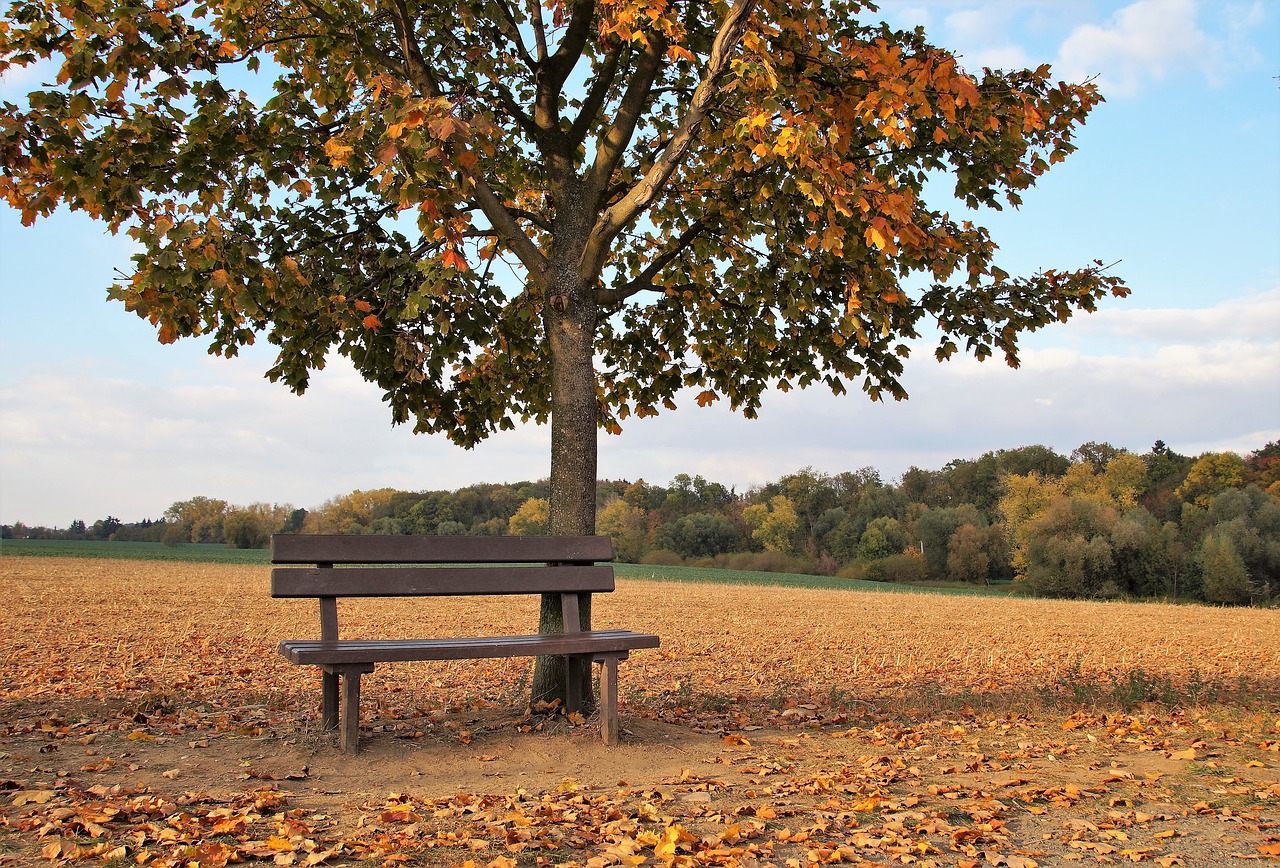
pixel 1101 523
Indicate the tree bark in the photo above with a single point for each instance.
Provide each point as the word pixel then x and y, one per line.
pixel 569 317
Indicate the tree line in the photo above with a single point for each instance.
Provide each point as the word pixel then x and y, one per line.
pixel 1102 522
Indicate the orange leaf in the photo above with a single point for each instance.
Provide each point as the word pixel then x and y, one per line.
pixel 371 322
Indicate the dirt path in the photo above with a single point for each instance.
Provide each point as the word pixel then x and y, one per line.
pixel 1013 791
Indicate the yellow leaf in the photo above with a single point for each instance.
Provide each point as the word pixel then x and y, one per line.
pixel 1188 754
pixel 876 237
pixel 275 842
pixel 338 152
pixel 32 797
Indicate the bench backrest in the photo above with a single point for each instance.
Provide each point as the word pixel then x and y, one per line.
pixel 399 566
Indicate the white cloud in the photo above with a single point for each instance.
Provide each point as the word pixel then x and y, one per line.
pixel 1143 42
pixel 81 443
pixel 981 37
pixel 1249 317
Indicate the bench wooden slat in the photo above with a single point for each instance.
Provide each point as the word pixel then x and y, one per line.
pixel 438 581
pixel 318 653
pixel 298 548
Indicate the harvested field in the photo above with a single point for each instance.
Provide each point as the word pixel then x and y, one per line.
pixel 146 717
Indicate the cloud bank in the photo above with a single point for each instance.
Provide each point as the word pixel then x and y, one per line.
pixel 110 444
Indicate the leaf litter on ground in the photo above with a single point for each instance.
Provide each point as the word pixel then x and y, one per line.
pixel 146 719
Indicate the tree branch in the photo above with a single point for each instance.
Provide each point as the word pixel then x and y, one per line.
pixel 646 190
pixel 613 144
pixel 644 280
pixel 514 35
pixel 539 29
pixel 599 92
pixel 554 71
pixel 420 74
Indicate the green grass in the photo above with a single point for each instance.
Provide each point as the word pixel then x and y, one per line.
pixel 132 551
pixel 219 554
pixel 711 576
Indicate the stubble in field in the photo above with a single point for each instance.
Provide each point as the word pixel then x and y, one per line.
pixel 773 725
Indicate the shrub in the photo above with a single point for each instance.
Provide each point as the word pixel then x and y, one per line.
pixel 662 558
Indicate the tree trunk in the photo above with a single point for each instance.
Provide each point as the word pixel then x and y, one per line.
pixel 569 316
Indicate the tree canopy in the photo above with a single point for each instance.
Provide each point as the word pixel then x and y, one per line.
pixel 730 195
pixel 722 197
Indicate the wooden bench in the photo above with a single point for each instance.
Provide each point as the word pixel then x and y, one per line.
pixel 424 566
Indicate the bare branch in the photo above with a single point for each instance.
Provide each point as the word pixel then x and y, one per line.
pixel 599 92
pixel 613 144
pixel 539 29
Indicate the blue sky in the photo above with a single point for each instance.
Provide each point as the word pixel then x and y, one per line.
pixel 1177 176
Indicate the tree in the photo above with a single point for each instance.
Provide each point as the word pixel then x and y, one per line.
pixel 350 513
pixel 198 520
pixel 774 524
pixel 1263 468
pixel 105 528
pixel 627 526
pixel 1224 575
pixel 245 529
pixel 1098 454
pixel 700 535
pixel 934 528
pixel 531 519
pixel 1213 472
pixel 884 537
pixel 719 197
pixel 974 553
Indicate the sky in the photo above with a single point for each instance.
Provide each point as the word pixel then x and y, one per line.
pixel 1177 179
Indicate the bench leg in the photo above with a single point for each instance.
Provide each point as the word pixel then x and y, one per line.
pixel 573 683
pixel 348 703
pixel 609 699
pixel 349 734
pixel 329 701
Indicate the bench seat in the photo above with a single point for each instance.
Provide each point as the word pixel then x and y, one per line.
pixel 591 642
